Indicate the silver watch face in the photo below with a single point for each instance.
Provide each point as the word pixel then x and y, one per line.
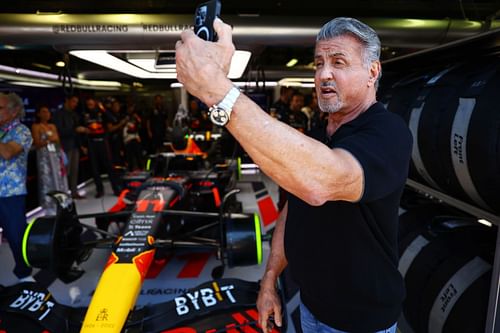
pixel 219 116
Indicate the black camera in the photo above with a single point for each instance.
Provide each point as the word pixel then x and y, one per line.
pixel 204 18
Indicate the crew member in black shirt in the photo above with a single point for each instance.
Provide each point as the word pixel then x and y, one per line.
pixel 338 231
pixel 67 122
pixel 296 118
pixel 281 108
pixel 94 119
pixel 115 123
pixel 156 124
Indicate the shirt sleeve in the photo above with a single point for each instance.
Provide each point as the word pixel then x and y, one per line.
pixel 383 149
pixel 23 137
pixel 108 118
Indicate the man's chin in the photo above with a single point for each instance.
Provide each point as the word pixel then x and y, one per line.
pixel 330 106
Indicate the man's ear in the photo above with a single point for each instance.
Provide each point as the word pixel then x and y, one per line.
pixel 375 69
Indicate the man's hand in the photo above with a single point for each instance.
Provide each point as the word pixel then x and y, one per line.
pixel 202 66
pixel 10 150
pixel 82 130
pixel 268 305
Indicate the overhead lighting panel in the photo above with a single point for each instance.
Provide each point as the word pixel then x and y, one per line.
pixel 302 82
pixel 42 66
pixel 150 61
pixel 105 59
pixel 33 84
pixel 150 66
pixel 292 62
pixel 142 64
pixel 20 76
pixel 239 64
pixel 165 60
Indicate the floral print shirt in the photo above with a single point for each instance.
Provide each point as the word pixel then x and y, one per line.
pixel 13 171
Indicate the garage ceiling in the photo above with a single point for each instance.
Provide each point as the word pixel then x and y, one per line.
pixel 275 31
pixel 474 10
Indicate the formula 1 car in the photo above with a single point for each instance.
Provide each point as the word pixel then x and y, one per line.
pixel 159 212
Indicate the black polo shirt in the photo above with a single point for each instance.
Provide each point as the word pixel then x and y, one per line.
pixel 344 255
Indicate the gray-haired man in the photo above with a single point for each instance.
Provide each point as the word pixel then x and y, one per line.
pixel 15 142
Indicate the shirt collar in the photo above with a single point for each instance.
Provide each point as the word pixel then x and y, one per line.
pixel 9 126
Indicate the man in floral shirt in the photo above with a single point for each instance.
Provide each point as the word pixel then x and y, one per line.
pixel 15 142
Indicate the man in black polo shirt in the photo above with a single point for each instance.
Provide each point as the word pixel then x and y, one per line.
pixel 338 231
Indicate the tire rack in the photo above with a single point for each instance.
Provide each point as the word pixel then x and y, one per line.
pixel 493 316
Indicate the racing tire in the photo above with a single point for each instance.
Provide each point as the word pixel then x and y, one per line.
pixel 243 241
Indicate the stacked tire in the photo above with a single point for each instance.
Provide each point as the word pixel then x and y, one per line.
pixel 446 264
pixel 453 115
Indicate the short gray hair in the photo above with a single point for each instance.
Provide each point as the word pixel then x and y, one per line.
pixel 14 104
pixel 340 26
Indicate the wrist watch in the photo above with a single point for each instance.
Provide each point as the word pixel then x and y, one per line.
pixel 220 113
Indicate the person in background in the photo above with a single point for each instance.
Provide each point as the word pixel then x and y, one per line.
pixel 106 103
pixel 132 140
pixel 205 123
pixel 315 118
pixel 50 160
pixel 142 112
pixel 296 118
pixel 281 108
pixel 115 123
pixel 68 126
pixel 156 124
pixel 15 143
pixel 338 231
pixel 194 114
pixel 98 147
